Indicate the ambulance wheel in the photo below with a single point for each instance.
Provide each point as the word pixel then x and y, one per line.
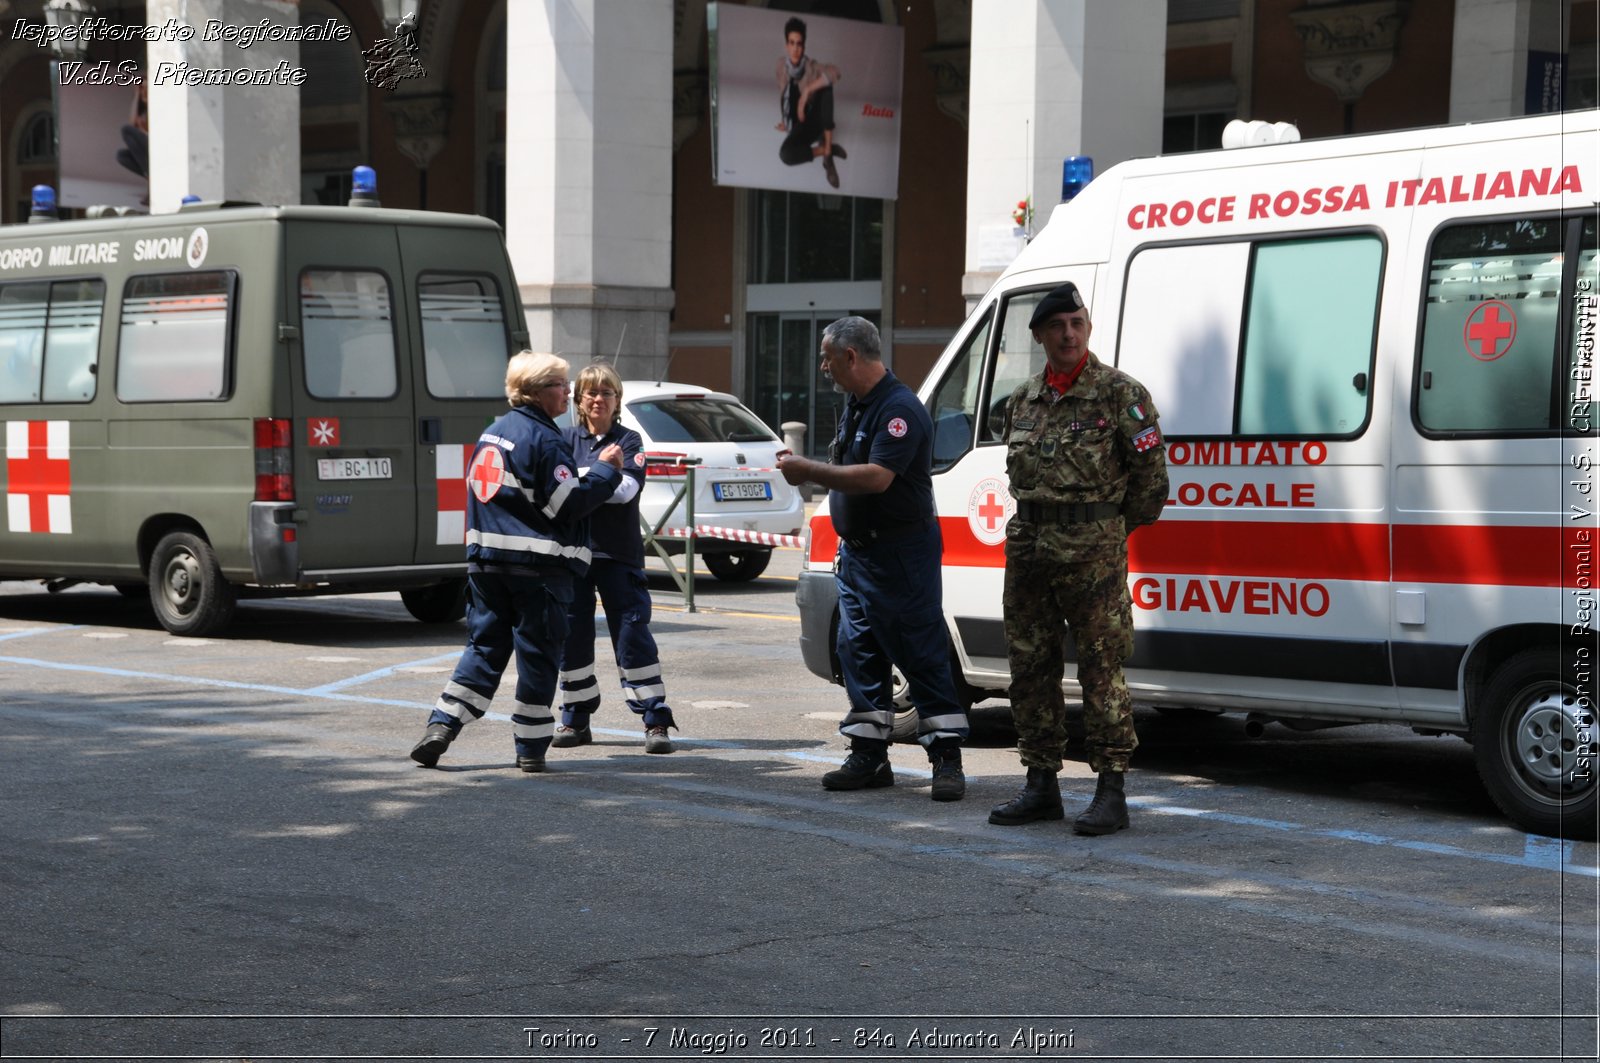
pixel 1534 742
pixel 439 603
pixel 737 566
pixel 186 586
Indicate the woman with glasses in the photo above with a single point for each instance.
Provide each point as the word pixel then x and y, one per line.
pixel 527 547
pixel 616 574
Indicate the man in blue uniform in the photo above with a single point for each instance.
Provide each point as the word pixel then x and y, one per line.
pixel 879 478
pixel 527 541
pixel 616 574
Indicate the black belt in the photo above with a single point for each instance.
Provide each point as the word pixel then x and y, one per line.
pixel 1067 512
pixel 890 534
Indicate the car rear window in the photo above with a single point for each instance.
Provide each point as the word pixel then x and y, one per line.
pixel 697 420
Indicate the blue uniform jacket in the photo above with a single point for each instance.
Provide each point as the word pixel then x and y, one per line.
pixel 526 503
pixel 614 533
pixel 890 427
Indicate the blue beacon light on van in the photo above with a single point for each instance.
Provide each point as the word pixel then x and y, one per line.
pixel 363 187
pixel 1076 173
pixel 44 204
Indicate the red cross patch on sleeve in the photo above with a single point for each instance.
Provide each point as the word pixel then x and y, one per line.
pixel 1147 440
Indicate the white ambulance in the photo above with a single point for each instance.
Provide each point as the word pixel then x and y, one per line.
pixel 1373 358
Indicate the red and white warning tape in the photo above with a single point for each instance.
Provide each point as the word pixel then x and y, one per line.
pixel 707 531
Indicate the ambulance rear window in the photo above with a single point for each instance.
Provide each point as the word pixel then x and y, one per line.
pixel 347 321
pixel 173 344
pixel 464 340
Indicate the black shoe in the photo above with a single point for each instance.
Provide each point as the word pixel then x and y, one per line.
pixel 567 737
pixel 1040 798
pixel 656 740
pixel 828 170
pixel 435 740
pixel 1108 812
pixel 531 765
pixel 837 152
pixel 861 770
pixel 949 784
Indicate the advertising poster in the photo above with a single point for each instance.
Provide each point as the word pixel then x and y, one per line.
pixel 104 143
pixel 804 103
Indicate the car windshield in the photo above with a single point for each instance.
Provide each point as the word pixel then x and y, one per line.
pixel 698 420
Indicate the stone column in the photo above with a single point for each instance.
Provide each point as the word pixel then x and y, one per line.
pixel 589 177
pixel 237 142
pixel 1053 78
pixel 1506 58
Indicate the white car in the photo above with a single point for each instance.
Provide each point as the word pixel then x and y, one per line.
pixel 736 485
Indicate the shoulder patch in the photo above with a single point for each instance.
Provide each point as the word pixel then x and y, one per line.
pixel 563 473
pixel 1137 411
pixel 1149 439
pixel 897 427
pixel 1025 426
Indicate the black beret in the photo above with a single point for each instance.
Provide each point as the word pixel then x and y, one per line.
pixel 1062 300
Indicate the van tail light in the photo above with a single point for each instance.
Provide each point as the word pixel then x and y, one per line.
pixel 663 463
pixel 274 460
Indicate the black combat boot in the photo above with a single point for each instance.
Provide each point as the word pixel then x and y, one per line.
pixel 949 783
pixel 1108 812
pixel 1040 798
pixel 435 740
pixel 866 768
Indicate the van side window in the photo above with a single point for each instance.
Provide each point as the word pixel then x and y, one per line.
pixel 1256 338
pixel 1310 334
pixel 347 325
pixel 50 340
pixel 955 403
pixel 1489 327
pixel 464 340
pixel 173 343
pixel 1016 359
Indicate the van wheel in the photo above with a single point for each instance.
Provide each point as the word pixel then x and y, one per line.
pixel 737 566
pixel 1534 744
pixel 439 603
pixel 186 586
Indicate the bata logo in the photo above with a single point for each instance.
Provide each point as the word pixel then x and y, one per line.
pixel 870 111
pixel 1342 199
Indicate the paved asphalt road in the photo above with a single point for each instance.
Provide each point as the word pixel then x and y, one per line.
pixel 217 849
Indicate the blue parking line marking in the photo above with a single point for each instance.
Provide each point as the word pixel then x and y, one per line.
pixel 1539 853
pixel 357 680
pixel 37 631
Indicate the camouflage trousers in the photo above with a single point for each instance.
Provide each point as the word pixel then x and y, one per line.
pixel 1044 597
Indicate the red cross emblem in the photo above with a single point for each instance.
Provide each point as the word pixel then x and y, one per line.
pixel 450 481
pixel 38 477
pixel 991 510
pixel 484 476
pixel 1486 326
pixel 897 427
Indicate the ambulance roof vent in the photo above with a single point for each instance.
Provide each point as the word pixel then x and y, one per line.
pixel 1241 134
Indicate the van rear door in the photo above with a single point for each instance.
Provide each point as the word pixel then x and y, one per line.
pixel 355 459
pixel 464 314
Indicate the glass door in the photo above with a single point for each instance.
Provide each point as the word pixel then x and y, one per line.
pixel 786 374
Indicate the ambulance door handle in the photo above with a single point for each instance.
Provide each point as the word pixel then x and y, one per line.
pixel 1427 380
pixel 430 430
pixel 1360 382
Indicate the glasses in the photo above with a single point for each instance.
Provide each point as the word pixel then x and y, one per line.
pixel 600 393
pixel 562 384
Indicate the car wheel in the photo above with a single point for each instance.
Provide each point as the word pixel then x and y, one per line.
pixel 437 603
pixel 1533 739
pixel 187 589
pixel 737 566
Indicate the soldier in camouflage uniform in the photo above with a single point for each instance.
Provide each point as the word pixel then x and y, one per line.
pixel 1086 463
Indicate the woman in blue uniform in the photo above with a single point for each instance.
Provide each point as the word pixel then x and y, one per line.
pixel 616 574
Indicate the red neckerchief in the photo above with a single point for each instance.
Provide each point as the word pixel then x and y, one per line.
pixel 1063 382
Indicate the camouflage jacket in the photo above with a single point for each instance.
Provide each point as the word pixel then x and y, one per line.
pixel 1099 442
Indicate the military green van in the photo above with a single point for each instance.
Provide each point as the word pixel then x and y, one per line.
pixel 246 400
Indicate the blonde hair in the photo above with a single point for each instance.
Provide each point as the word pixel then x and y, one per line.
pixel 591 378
pixel 527 372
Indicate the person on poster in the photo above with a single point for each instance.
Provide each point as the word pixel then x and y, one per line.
pixel 805 104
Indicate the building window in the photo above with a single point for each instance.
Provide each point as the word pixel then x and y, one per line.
pixel 799 238
pixel 37 145
pixel 1193 132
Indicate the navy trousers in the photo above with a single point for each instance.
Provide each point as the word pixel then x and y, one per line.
pixel 522 614
pixel 625 594
pixel 891 614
